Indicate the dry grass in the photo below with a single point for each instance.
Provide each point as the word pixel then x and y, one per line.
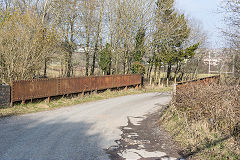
pixel 206 122
pixel 73 100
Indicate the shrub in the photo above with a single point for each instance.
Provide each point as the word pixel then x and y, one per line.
pixel 205 120
pixel 218 104
pixel 208 119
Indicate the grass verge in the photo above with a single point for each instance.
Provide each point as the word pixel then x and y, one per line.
pixel 197 139
pixel 39 106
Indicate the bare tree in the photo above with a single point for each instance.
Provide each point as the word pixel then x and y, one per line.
pixel 97 33
pixel 67 17
pixel 231 10
pixel 23 47
pixel 125 20
pixel 139 33
pixel 88 12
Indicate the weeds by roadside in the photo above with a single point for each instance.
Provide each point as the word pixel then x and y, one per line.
pixel 39 106
pixel 205 120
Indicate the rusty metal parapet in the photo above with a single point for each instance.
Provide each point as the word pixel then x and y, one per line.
pixel 44 88
pixel 201 81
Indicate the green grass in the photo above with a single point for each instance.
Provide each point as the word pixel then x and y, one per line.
pixel 69 101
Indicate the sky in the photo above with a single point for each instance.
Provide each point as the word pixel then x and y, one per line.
pixel 206 12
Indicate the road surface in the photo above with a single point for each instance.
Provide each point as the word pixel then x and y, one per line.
pixel 80 132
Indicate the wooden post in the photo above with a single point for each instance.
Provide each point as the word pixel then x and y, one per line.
pixel 11 93
pixel 136 87
pixel 159 81
pixel 82 95
pixel 49 99
pixel 174 89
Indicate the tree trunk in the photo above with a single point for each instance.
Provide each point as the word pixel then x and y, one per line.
pixel 155 66
pixel 87 63
pixel 124 67
pixel 62 69
pixel 149 68
pixel 159 75
pixel 181 76
pixel 176 71
pixel 70 49
pixel 45 68
pixel 94 58
pixel 196 69
pixel 116 65
pixel 110 68
pixel 125 63
pixel 128 64
pixel 87 54
pixel 69 64
pixel 150 71
pixel 96 44
pixel 169 71
pixel 155 72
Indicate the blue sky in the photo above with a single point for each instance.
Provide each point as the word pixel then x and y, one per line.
pixel 205 11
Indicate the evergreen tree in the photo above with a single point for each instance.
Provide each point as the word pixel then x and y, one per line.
pixel 137 66
pixel 172 32
pixel 139 48
pixel 105 59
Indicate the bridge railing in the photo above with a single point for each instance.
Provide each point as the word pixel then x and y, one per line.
pixel 45 88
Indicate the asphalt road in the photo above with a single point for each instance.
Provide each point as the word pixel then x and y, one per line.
pixel 80 132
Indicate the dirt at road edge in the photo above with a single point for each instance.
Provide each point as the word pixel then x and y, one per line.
pixel 146 136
